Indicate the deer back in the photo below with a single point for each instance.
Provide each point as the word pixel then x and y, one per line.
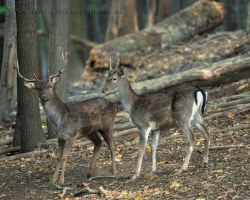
pixel 92 115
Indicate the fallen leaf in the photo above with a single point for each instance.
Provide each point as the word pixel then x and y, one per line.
pixel 218 170
pixel 118 158
pixel 2 195
pixel 230 115
pixel 119 148
pixel 174 185
pixel 208 185
pixel 148 149
pixel 52 155
pixel 153 176
pixel 138 198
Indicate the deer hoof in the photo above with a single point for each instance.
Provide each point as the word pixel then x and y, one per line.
pixel 205 165
pixel 50 183
pixel 150 174
pixel 179 171
pixel 60 185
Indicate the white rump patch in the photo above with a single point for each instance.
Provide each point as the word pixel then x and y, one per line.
pixel 152 124
pixel 197 107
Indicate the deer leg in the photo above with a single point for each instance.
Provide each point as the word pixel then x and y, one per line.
pixel 108 137
pixel 143 133
pixel 155 138
pixel 61 144
pixel 199 123
pixel 187 131
pixel 64 158
pixel 97 145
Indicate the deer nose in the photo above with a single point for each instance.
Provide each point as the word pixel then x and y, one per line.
pixel 103 90
pixel 44 97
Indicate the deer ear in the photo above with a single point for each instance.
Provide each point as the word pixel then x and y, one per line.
pixel 55 80
pixel 30 85
pixel 120 71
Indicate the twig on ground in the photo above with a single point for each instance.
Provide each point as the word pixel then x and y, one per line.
pixel 89 191
pixel 64 190
pixel 223 147
pixel 22 155
pixel 97 177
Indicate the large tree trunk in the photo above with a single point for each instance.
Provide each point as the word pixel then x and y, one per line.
pixel 123 20
pixel 28 121
pixel 75 63
pixel 196 19
pixel 59 38
pixel 7 75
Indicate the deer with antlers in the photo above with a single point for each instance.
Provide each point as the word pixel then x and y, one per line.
pixel 74 119
pixel 153 113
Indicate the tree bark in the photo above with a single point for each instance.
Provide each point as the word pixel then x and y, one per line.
pixel 59 38
pixel 151 13
pixel 75 63
pixel 28 131
pixel 7 74
pixel 123 20
pixel 196 19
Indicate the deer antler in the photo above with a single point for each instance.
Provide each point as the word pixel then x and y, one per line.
pixel 65 62
pixel 118 62
pixel 110 67
pixel 16 67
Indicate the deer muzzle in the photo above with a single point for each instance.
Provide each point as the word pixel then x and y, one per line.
pixel 104 90
pixel 44 97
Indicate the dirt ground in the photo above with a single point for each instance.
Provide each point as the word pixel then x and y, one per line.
pixel 227 175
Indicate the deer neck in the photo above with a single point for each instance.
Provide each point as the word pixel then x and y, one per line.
pixel 55 110
pixel 127 95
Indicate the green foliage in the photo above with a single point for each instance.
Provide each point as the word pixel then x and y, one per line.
pixel 242 11
pixel 2 10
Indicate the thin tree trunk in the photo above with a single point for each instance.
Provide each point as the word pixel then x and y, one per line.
pixel 151 13
pixel 28 132
pixel 248 16
pixel 7 75
pixel 58 43
pixel 163 10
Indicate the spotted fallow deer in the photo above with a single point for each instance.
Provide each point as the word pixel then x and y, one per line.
pixel 74 119
pixel 183 106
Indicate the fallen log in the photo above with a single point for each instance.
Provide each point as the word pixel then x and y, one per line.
pixel 183 57
pixel 10 150
pixel 236 110
pixel 230 90
pixel 6 142
pixel 225 71
pixel 196 19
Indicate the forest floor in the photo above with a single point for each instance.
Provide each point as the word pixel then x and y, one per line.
pixel 227 175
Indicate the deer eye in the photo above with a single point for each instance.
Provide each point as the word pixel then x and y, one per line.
pixel 50 86
pixel 114 79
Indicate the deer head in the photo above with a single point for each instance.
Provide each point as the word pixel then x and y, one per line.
pixel 114 78
pixel 45 87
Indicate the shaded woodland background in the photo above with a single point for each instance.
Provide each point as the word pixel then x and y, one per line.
pixel 89 28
